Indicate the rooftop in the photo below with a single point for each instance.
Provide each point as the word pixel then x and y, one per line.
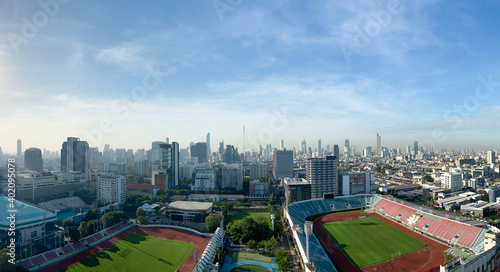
pixel 24 211
pixel 190 205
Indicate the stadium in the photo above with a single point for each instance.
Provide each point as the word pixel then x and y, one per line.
pixel 129 247
pixel 379 233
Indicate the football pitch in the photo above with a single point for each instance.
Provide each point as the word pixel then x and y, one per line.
pixel 137 253
pixel 368 241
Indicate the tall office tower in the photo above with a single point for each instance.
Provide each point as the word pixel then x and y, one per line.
pixel 490 157
pixel 95 157
pixel 1 155
pixel 260 150
pixel 320 151
pixel 283 163
pixel 303 147
pixel 321 173
pixel 379 146
pixel 336 151
pixel 112 188
pixel 121 155
pixel 209 151
pixel 282 145
pixel 33 159
pixel 199 150
pixel 347 148
pixel 169 163
pixel 231 155
pixel 452 181
pixel 258 170
pixel 415 148
pixel 221 149
pixel 408 150
pixel 19 151
pixel 328 147
pixel 365 153
pixel 106 154
pixel 75 156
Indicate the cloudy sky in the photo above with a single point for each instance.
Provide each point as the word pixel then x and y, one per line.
pixel 128 73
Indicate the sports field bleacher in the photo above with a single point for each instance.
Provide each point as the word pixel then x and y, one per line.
pixel 448 230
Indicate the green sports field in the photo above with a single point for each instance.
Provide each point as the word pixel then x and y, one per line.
pixel 250 268
pixel 239 216
pixel 368 241
pixel 137 253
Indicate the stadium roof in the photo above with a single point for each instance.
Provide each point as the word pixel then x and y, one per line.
pixel 190 205
pixel 63 203
pixel 26 213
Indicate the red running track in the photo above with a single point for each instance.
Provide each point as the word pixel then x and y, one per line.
pixel 164 233
pixel 426 259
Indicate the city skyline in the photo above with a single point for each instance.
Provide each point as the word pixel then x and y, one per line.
pixel 405 70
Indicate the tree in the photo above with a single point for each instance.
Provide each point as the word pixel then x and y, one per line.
pixel 83 229
pixel 283 263
pixel 212 221
pixel 73 233
pixel 428 178
pixel 140 212
pixel 91 227
pixel 5 265
pixel 271 245
pixel 58 222
pixel 91 215
pixel 142 220
pixel 114 217
pixel 251 244
pixel 68 223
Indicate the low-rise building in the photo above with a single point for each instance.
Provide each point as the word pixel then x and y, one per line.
pixel 187 210
pixel 215 197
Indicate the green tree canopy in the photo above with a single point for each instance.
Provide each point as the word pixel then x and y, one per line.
pixel 212 221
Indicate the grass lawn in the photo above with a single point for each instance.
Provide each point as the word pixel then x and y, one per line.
pixel 137 253
pixel 239 216
pixel 249 256
pixel 368 241
pixel 250 268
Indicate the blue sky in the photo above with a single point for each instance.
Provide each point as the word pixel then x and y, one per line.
pixel 128 72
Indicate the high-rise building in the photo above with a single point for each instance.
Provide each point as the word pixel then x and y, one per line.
pixel 112 189
pixel 355 183
pixel 452 181
pixel 347 148
pixel 231 155
pixel 232 176
pixel 379 145
pixel 321 173
pixel 282 145
pixel 19 151
pixel 320 151
pixel 258 170
pixel 209 152
pixel 303 147
pixel 221 149
pixel 75 156
pixel 33 159
pixel 491 157
pixel 283 163
pixel 169 162
pixel 199 150
pixel 415 148
pixel 336 151
pixel 1 155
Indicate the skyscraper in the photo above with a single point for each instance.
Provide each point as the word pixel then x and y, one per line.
pixel 336 151
pixel 491 157
pixel 379 146
pixel 209 152
pixel 33 159
pixel 320 151
pixel 347 148
pixel 283 163
pixel 321 173
pixel 303 147
pixel 199 150
pixel 231 155
pixel 282 145
pixel 19 151
pixel 75 156
pixel 169 162
pixel 415 148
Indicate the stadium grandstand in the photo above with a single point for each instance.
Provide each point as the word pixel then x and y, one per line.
pixel 448 228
